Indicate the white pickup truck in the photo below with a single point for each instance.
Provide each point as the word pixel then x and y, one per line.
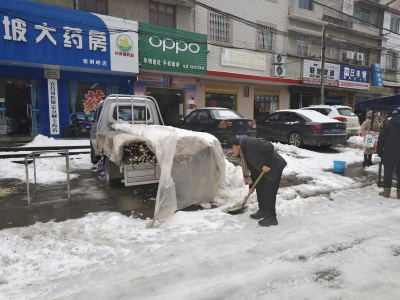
pixel 120 107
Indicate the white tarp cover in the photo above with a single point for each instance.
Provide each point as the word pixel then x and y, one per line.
pixel 192 163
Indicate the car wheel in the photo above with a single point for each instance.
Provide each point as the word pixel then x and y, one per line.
pixel 94 159
pixel 295 139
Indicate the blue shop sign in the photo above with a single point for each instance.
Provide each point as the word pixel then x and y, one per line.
pixel 377 75
pixel 353 77
pixel 41 34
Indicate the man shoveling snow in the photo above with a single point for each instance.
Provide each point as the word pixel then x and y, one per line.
pixel 257 156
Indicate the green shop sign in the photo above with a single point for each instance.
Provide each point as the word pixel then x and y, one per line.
pixel 174 50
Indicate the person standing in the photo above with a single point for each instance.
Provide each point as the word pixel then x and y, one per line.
pixel 256 156
pixel 389 152
pixel 365 127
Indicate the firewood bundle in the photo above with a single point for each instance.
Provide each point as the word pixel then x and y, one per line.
pixel 138 154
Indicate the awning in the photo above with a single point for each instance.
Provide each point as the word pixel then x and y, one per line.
pixel 379 103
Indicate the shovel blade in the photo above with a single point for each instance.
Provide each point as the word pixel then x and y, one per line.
pixel 236 211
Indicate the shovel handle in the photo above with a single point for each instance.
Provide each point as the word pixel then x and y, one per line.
pixel 254 186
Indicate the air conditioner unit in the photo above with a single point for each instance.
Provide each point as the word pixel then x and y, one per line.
pixel 360 56
pixel 349 55
pixel 279 59
pixel 278 71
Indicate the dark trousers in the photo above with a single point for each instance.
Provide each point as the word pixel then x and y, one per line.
pixel 266 193
pixel 388 175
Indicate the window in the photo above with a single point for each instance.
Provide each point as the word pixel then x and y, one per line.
pixel 336 50
pixel 303 45
pixel 202 116
pixel 395 24
pixel 191 117
pixel 365 60
pixel 274 117
pixel 265 38
pixel 221 100
pixel 305 4
pixel 95 6
pixel 220 28
pixel 346 112
pixel 225 114
pixel 391 60
pixel 364 16
pixel 162 14
pixel 125 113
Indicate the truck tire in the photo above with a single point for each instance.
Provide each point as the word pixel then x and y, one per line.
pixel 111 181
pixel 94 159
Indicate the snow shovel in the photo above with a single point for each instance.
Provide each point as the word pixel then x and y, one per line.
pixel 242 208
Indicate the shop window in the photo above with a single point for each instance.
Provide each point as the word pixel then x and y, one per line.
pixel 220 28
pixel 221 100
pixel 162 14
pixel 265 105
pixel 85 97
pixel 95 6
pixel 364 16
pixel 304 45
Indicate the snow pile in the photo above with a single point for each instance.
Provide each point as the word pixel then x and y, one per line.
pixel 321 250
pixel 48 170
pixel 44 141
pixel 356 140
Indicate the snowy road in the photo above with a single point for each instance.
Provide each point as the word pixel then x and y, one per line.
pixel 336 239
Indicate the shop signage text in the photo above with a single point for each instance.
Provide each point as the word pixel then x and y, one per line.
pixel 312 73
pixel 381 89
pixel 53 107
pixel 63 42
pixel 377 75
pixel 355 78
pixel 243 59
pixel 172 50
pixel 51 74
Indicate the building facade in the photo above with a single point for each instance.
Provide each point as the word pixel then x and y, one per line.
pixel 53 65
pixel 353 47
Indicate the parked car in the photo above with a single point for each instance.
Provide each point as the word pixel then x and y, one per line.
pixel 341 113
pixel 220 122
pixel 302 127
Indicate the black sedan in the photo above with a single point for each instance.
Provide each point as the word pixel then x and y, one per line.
pixel 220 122
pixel 302 127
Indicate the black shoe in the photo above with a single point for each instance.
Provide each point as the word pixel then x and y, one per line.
pixel 268 221
pixel 365 164
pixel 370 163
pixel 259 215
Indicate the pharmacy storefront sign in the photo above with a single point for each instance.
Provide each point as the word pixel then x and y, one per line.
pixel 62 38
pixel 172 50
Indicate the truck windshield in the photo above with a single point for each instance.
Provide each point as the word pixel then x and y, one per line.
pixel 125 113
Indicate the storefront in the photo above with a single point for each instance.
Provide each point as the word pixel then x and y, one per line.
pixel 169 65
pixel 52 69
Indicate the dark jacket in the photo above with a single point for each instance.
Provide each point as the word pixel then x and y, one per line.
pixel 261 153
pixel 389 142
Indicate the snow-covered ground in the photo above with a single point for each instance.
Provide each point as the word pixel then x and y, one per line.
pixel 336 239
pixel 44 141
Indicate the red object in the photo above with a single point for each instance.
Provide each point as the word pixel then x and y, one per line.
pixel 341 119
pixel 213 103
pixel 314 128
pixel 229 123
pixel 251 123
pixel 361 134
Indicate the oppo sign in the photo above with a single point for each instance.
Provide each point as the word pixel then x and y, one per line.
pixel 169 44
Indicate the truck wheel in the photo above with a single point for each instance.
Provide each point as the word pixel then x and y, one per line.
pixel 95 159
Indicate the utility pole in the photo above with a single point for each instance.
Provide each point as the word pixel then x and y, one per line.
pixel 323 65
